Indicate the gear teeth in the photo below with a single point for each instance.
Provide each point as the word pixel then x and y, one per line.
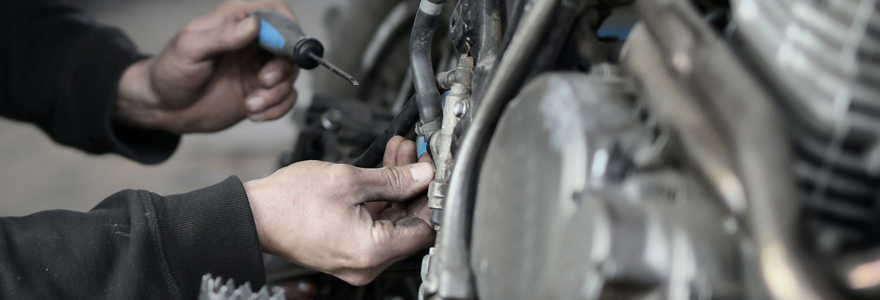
pixel 214 289
pixel 264 292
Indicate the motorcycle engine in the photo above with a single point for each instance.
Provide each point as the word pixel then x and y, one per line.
pixel 823 58
pixel 600 210
pixel 585 194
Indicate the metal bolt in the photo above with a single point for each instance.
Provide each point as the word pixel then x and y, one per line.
pixel 681 62
pixel 330 120
pixel 460 108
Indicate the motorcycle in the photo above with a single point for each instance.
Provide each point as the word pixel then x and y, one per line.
pixel 713 150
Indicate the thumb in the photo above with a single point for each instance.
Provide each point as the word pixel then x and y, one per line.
pixel 201 44
pixel 399 183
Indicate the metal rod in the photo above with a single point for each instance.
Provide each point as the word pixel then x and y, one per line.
pixel 454 277
pixel 333 68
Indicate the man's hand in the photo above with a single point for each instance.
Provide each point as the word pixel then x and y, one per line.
pixel 315 214
pixel 210 76
pixel 399 152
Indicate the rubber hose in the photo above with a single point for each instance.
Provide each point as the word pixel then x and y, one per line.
pixel 403 122
pixel 427 96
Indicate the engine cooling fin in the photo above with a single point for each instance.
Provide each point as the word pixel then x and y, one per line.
pixel 823 57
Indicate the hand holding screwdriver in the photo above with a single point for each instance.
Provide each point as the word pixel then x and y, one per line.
pixel 209 76
pixel 282 36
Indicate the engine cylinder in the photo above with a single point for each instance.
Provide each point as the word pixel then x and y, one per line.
pixel 823 59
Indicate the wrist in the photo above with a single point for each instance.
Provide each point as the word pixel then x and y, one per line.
pixel 137 103
pixel 253 190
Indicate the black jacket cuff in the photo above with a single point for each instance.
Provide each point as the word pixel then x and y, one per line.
pixel 60 70
pixel 91 118
pixel 146 146
pixel 210 230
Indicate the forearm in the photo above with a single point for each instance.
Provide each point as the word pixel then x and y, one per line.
pixel 134 245
pixel 59 70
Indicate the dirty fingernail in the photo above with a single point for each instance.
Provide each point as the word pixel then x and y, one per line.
pixel 246 26
pixel 270 78
pixel 422 172
pixel 255 104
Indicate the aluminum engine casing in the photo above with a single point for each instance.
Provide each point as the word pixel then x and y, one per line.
pixel 576 200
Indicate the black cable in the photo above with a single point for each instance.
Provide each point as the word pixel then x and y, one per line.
pixel 427 97
pixel 403 122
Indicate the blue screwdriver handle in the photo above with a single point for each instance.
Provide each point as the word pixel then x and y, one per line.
pixel 282 36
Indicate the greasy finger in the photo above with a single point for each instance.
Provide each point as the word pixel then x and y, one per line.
pixel 419 208
pixel 277 111
pixel 406 153
pixel 403 238
pixel 275 71
pixel 390 157
pixel 262 99
pixel 399 183
pixel 425 158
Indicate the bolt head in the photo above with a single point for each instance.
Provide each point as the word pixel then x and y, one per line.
pixel 330 120
pixel 460 109
pixel 681 62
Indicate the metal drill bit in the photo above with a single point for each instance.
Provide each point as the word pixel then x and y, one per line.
pixel 333 68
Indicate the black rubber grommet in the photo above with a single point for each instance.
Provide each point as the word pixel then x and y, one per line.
pixel 302 50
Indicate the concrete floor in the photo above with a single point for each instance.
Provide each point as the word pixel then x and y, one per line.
pixel 36 174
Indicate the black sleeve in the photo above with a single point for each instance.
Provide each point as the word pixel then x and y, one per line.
pixel 60 70
pixel 133 245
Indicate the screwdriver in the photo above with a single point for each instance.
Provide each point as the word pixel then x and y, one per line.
pixel 281 36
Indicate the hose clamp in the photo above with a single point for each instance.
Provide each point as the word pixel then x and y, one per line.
pixel 430 8
pixel 429 128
